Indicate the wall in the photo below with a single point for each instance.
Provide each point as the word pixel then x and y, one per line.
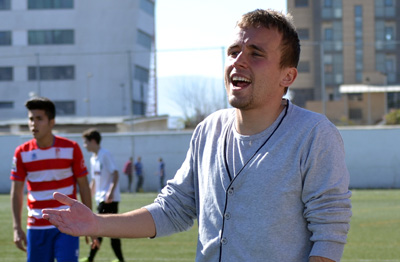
pixel 171 146
pixel 372 155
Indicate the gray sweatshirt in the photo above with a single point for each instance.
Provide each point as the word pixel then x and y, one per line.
pixel 288 202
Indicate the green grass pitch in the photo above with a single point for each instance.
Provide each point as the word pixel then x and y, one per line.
pixel 374 234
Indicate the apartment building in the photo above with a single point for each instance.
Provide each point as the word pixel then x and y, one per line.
pixel 350 57
pixel 91 57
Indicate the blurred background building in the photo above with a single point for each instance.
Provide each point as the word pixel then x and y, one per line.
pixel 350 58
pixel 92 58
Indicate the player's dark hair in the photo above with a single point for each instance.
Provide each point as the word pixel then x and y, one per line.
pixel 42 103
pixel 92 134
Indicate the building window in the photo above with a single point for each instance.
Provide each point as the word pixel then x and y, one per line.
pixel 328 36
pixel 389 64
pixel 333 69
pixel 379 34
pixel 144 39
pixel 304 33
pixel 390 38
pixel 359 76
pixel 332 36
pixel 338 31
pixel 139 108
pixel 5 37
pixel 385 35
pixel 5 4
pixel 390 69
pixel 52 73
pixel 331 9
pixel 6 104
pixel 6 73
pixel 389 33
pixel 393 100
pixel 50 37
pixel 64 108
pixel 359 47
pixel 50 4
pixel 338 78
pixel 328 39
pixel 380 62
pixel 359 58
pixel 304 67
pixel 141 74
pixel 389 3
pixel 355 114
pixel 385 8
pixel 358 11
pixel 328 68
pixel 355 97
pixel 147 6
pixel 301 3
pixel 328 3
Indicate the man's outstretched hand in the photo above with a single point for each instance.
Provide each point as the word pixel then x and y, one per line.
pixel 77 220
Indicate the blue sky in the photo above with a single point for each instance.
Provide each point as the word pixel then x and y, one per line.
pixel 190 38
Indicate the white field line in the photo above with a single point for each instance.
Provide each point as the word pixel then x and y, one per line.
pixel 191 260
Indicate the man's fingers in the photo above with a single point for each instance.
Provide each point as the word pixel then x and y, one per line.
pixel 63 199
pixel 20 245
pixel 50 215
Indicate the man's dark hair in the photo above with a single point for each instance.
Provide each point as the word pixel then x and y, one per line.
pixel 42 103
pixel 92 134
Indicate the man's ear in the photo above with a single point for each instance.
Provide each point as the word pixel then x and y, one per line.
pixel 52 122
pixel 288 79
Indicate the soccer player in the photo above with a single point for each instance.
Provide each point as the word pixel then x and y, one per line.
pixel 104 186
pixel 48 163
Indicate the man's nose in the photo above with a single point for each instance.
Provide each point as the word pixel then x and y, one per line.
pixel 32 122
pixel 240 61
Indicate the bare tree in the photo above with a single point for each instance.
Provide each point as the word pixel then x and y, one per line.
pixel 197 97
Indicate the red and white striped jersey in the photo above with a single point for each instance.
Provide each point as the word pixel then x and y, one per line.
pixel 47 170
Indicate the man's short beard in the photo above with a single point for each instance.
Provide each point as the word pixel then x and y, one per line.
pixel 242 105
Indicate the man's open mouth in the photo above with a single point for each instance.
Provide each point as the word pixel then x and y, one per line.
pixel 240 81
